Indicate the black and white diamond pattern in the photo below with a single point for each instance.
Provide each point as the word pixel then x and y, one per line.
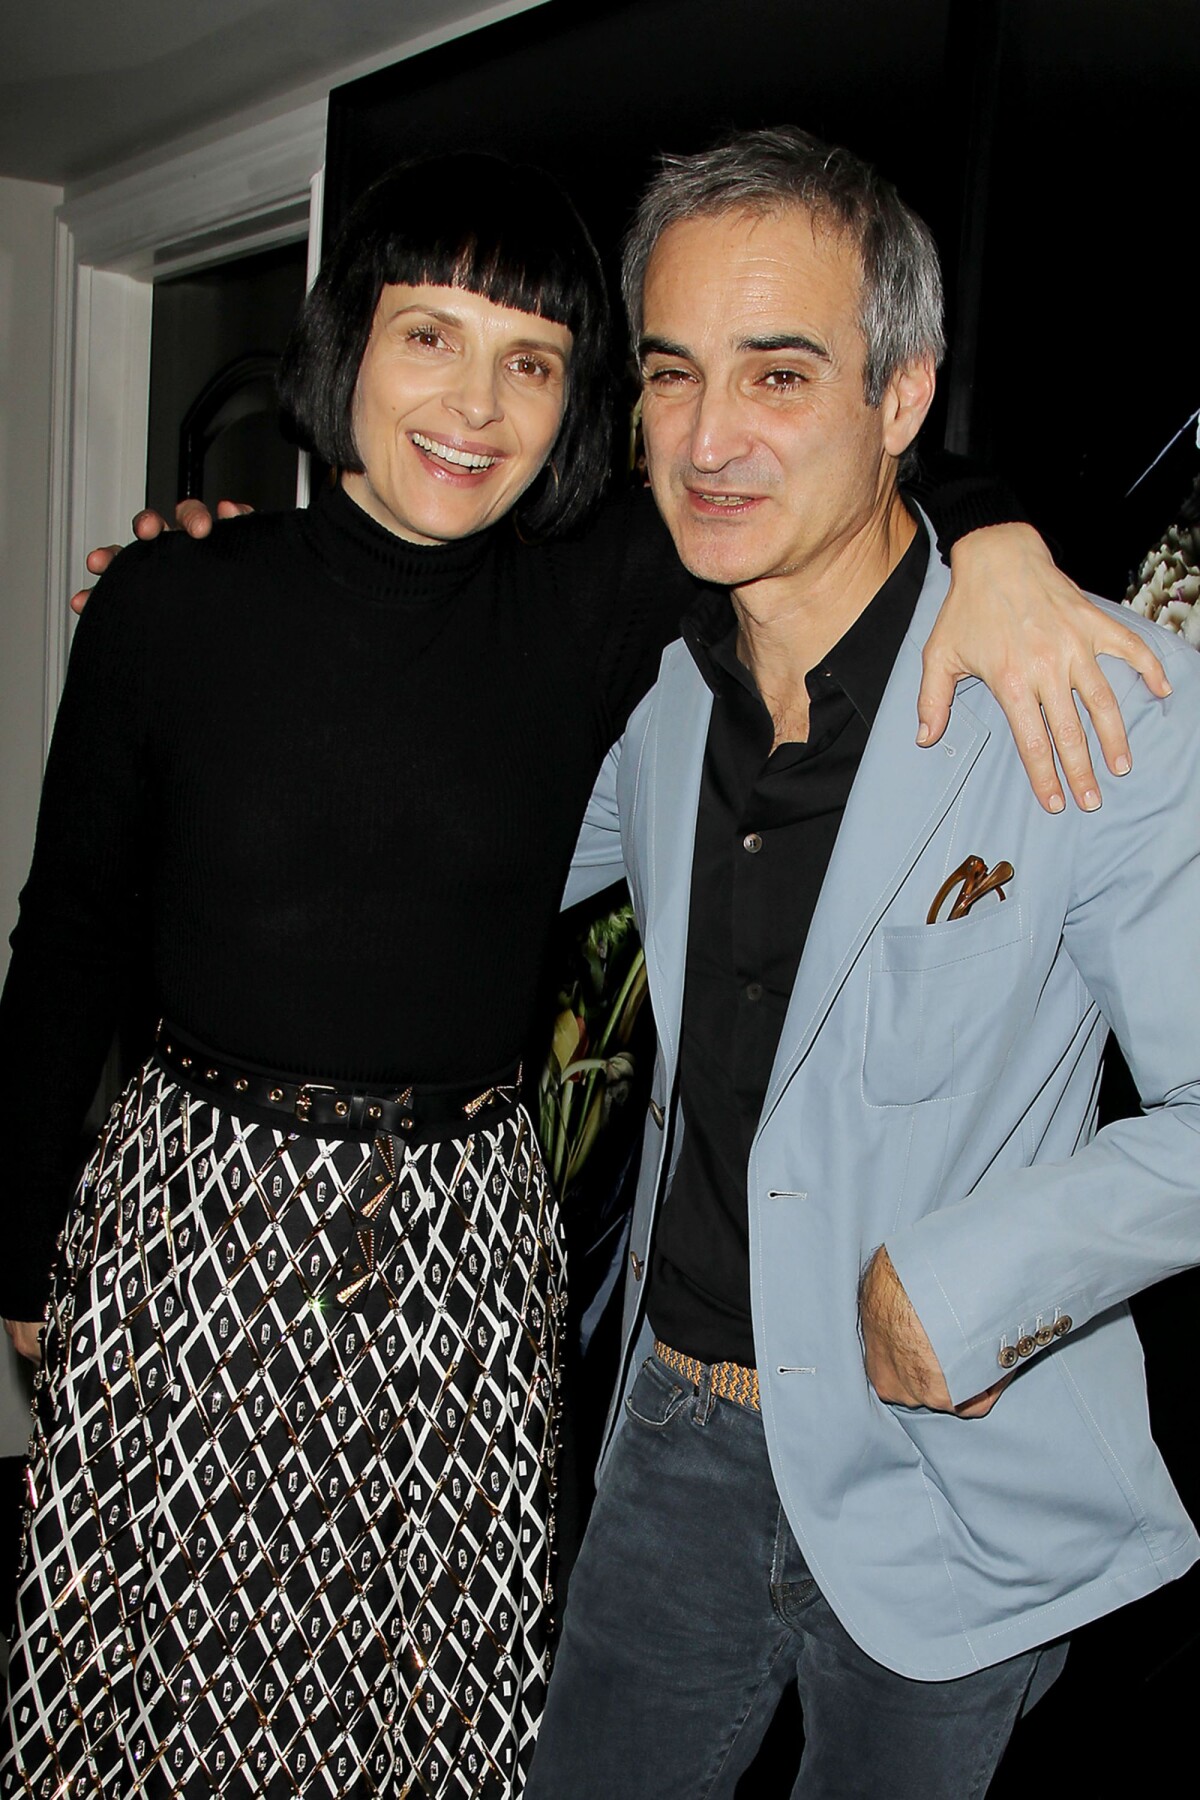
pixel 282 1543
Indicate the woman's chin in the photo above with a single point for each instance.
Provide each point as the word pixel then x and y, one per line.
pixel 438 518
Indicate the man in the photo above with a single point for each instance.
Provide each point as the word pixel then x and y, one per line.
pixel 884 1429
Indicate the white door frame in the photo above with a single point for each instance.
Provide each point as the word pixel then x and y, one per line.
pixel 257 187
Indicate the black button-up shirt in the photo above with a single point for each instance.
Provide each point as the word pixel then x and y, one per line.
pixel 765 832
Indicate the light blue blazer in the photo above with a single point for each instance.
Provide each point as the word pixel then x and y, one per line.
pixel 935 1090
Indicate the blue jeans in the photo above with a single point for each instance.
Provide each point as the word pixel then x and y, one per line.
pixel 691 1610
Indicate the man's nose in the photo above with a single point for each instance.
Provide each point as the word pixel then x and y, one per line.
pixel 720 433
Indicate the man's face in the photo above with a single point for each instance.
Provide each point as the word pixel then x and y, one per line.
pixel 764 457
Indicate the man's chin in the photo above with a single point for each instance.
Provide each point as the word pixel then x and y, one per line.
pixel 719 565
pixel 724 551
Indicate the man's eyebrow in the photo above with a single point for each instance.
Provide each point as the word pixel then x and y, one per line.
pixel 770 346
pixel 785 340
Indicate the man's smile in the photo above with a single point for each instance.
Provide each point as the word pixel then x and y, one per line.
pixel 713 502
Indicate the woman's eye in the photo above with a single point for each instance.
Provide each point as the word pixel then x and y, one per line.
pixel 427 336
pixel 531 366
pixel 665 378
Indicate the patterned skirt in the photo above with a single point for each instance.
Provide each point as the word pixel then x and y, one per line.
pixel 279 1544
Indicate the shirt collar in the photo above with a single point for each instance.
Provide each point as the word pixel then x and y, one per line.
pixel 860 662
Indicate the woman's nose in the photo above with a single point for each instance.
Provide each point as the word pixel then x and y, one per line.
pixel 475 396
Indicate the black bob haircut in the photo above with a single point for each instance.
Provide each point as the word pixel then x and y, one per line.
pixel 494 228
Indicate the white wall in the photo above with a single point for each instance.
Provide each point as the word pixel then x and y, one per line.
pixel 26 329
pixel 26 295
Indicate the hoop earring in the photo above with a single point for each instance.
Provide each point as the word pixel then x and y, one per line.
pixel 551 469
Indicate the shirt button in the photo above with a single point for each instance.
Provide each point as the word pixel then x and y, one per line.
pixel 754 990
pixel 752 843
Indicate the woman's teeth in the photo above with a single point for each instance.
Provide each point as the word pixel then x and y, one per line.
pixel 464 459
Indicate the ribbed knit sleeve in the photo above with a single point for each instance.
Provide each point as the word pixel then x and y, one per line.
pixel 961 496
pixel 74 943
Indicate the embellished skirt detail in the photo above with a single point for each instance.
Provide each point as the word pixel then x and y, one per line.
pixel 289 1517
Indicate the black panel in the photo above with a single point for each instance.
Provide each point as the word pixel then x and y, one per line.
pixel 1050 147
pixel 1089 322
pixel 593 91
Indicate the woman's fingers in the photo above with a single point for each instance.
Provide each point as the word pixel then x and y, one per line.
pixel 1017 622
pixel 96 561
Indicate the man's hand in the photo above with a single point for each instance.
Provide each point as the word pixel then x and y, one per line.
pixel 191 516
pixel 26 1335
pixel 901 1365
pixel 1015 620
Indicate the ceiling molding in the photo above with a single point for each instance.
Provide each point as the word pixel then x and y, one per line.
pixel 209 193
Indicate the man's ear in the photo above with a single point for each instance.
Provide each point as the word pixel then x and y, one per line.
pixel 906 400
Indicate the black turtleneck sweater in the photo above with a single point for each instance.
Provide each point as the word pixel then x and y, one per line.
pixel 329 783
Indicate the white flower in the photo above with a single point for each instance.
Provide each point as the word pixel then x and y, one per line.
pixel 1168 584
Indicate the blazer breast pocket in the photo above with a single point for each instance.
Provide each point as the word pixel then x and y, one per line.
pixel 943 1004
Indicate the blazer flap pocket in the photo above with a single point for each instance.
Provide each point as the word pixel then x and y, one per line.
pixel 943 1002
pixel 988 926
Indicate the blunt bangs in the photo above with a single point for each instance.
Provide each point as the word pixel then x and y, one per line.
pixel 498 229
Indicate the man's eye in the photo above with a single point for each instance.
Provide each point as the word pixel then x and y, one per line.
pixel 784 378
pixel 665 378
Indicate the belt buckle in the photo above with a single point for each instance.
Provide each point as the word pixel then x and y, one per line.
pixel 304 1097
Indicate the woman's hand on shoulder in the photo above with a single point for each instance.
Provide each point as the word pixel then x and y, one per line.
pixel 1016 621
pixel 26 1335
pixel 191 516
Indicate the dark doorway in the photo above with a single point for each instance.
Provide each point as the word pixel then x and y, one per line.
pixel 216 336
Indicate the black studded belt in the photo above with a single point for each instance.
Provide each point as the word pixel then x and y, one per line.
pixel 337 1109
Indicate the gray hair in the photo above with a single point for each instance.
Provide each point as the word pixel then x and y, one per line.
pixel 766 171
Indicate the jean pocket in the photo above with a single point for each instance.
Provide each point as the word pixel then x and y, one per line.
pixel 655 1396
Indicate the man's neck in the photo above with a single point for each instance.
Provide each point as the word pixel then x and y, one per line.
pixel 787 624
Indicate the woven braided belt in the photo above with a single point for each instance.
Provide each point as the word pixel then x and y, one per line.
pixel 730 1381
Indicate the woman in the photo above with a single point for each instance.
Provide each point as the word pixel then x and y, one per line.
pixel 289 1525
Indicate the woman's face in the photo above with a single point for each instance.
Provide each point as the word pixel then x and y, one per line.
pixel 456 409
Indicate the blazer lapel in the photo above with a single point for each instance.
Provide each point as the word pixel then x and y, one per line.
pixel 900 796
pixel 668 796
